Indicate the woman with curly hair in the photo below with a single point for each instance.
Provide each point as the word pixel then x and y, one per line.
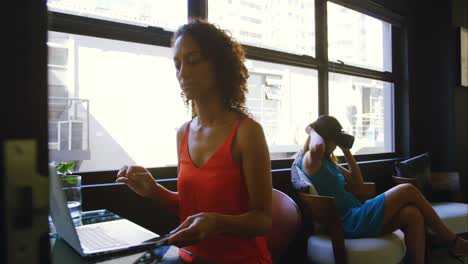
pixel 224 179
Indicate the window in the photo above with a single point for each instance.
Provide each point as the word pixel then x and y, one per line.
pixel 112 79
pixel 268 24
pixel 283 100
pixel 364 108
pixel 358 45
pixel 160 13
pixel 464 57
pixel 359 40
pixel 127 88
pixel 68 116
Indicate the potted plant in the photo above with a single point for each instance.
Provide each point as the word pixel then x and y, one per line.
pixel 63 167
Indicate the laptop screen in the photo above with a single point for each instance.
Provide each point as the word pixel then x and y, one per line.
pixel 60 213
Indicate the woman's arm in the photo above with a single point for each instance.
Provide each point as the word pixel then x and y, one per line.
pixel 163 196
pixel 180 135
pixel 168 199
pixel 141 181
pixel 353 175
pixel 312 158
pixel 256 167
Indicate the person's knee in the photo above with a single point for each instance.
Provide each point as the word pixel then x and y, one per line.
pixel 412 215
pixel 409 190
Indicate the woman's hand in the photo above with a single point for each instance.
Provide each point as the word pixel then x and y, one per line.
pixel 344 149
pixel 138 179
pixel 194 229
pixel 353 175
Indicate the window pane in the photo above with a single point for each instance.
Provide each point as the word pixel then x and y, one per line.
pixel 359 40
pixel 364 108
pixel 464 56
pixel 286 25
pixel 284 100
pixel 109 101
pixel 161 13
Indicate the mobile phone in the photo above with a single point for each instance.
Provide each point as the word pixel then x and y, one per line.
pixel 153 255
pixel 160 248
pixel 158 241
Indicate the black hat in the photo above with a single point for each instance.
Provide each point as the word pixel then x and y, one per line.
pixel 330 129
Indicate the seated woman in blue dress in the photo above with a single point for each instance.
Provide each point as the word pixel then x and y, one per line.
pixel 402 207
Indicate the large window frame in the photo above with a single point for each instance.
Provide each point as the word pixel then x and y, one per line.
pixel 93 27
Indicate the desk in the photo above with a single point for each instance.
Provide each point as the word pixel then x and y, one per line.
pixel 61 252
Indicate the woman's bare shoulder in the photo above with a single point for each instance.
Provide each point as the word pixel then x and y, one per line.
pixel 181 130
pixel 249 127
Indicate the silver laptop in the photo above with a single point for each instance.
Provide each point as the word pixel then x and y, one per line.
pixel 99 238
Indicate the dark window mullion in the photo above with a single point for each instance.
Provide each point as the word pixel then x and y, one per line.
pixel 87 26
pixel 360 72
pixel 262 54
pixel 401 92
pixel 197 8
pixel 372 9
pixel 321 51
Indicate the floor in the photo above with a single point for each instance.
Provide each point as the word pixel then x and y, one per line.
pixel 441 256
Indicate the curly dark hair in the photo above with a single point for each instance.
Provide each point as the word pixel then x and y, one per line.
pixel 227 56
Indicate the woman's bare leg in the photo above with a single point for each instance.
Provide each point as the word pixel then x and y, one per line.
pixel 410 220
pixel 407 194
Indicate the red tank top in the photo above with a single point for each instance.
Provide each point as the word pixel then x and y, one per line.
pixel 217 186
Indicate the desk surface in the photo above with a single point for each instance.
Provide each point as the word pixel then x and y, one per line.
pixel 61 252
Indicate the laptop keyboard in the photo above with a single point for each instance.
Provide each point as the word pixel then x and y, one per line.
pixel 96 238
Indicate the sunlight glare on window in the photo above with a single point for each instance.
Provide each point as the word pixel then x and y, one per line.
pixel 134 102
pixel 158 13
pixel 364 107
pixel 282 25
pixel 359 40
pixel 284 100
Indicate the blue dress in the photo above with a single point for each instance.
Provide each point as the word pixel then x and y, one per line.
pixel 358 220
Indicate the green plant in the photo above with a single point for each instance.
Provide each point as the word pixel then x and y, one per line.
pixel 63 168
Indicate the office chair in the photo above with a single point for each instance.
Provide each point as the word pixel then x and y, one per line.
pixel 286 221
